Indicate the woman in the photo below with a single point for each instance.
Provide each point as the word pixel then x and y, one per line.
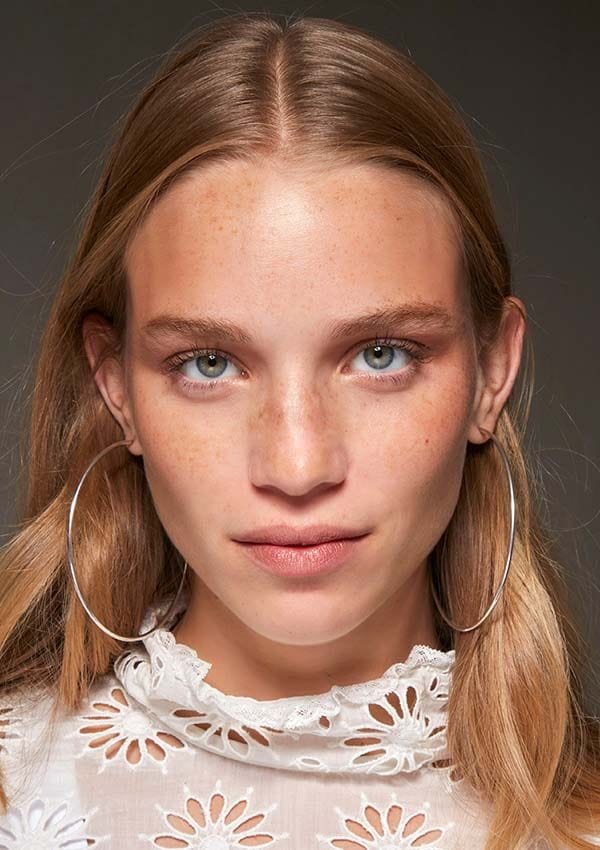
pixel 274 410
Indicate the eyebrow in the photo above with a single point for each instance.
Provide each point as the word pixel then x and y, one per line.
pixel 419 315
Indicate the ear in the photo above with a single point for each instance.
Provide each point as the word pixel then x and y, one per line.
pixel 497 369
pixel 100 343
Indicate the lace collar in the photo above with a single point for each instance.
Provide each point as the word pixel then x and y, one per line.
pixel 368 727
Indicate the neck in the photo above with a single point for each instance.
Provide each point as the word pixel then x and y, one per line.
pixel 246 663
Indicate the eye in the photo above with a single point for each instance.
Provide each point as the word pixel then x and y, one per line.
pixel 202 368
pixel 389 359
pixel 380 355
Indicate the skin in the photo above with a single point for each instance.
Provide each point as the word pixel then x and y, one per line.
pixel 299 429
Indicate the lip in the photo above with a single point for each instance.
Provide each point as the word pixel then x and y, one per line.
pixel 301 561
pixel 286 535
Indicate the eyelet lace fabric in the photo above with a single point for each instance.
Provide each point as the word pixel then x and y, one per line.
pixel 391 724
pixel 155 757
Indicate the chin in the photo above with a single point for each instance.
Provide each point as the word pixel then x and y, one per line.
pixel 306 625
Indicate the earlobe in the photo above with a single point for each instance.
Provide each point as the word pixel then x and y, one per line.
pixel 107 372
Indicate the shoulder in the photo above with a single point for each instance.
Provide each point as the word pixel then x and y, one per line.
pixel 42 750
pixel 40 742
pixel 75 780
pixel 42 768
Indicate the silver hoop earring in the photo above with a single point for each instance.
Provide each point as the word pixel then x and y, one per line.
pixel 510 546
pixel 92 616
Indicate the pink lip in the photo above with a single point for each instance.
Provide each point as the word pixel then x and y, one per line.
pixel 299 561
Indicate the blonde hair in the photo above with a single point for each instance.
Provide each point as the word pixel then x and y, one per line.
pixel 249 87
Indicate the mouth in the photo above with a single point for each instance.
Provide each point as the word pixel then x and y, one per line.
pixel 285 535
pixel 296 560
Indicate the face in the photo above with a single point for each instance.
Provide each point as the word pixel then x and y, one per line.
pixel 293 422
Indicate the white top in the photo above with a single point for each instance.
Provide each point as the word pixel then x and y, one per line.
pixel 157 757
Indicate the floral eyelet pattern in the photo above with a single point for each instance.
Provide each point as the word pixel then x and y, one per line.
pixel 398 728
pixel 162 759
pixel 216 822
pixel 395 828
pixel 122 732
pixel 213 731
pixel 42 825
pixel 392 724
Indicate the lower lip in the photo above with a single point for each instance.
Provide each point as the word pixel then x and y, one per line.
pixel 299 561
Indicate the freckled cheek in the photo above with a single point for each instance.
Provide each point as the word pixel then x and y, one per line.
pixel 413 451
pixel 188 459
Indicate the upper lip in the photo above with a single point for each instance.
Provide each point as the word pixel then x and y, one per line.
pixel 286 535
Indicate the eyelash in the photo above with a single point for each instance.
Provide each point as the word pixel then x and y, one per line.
pixel 417 351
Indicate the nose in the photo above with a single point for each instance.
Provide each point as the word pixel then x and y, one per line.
pixel 296 443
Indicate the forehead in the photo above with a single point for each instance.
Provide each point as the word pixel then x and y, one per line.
pixel 265 237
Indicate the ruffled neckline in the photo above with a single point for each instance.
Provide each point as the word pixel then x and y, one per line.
pixel 302 732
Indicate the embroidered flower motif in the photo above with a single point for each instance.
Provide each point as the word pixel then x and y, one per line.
pixel 125 733
pixel 215 824
pixel 393 829
pixel 217 733
pixel 399 738
pixel 44 827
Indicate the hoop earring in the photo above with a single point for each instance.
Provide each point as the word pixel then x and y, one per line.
pixel 92 616
pixel 510 546
pixel 112 634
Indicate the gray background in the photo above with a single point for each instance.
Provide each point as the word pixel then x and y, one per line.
pixel 526 77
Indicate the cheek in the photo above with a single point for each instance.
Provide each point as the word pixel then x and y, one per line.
pixel 188 463
pixel 413 460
